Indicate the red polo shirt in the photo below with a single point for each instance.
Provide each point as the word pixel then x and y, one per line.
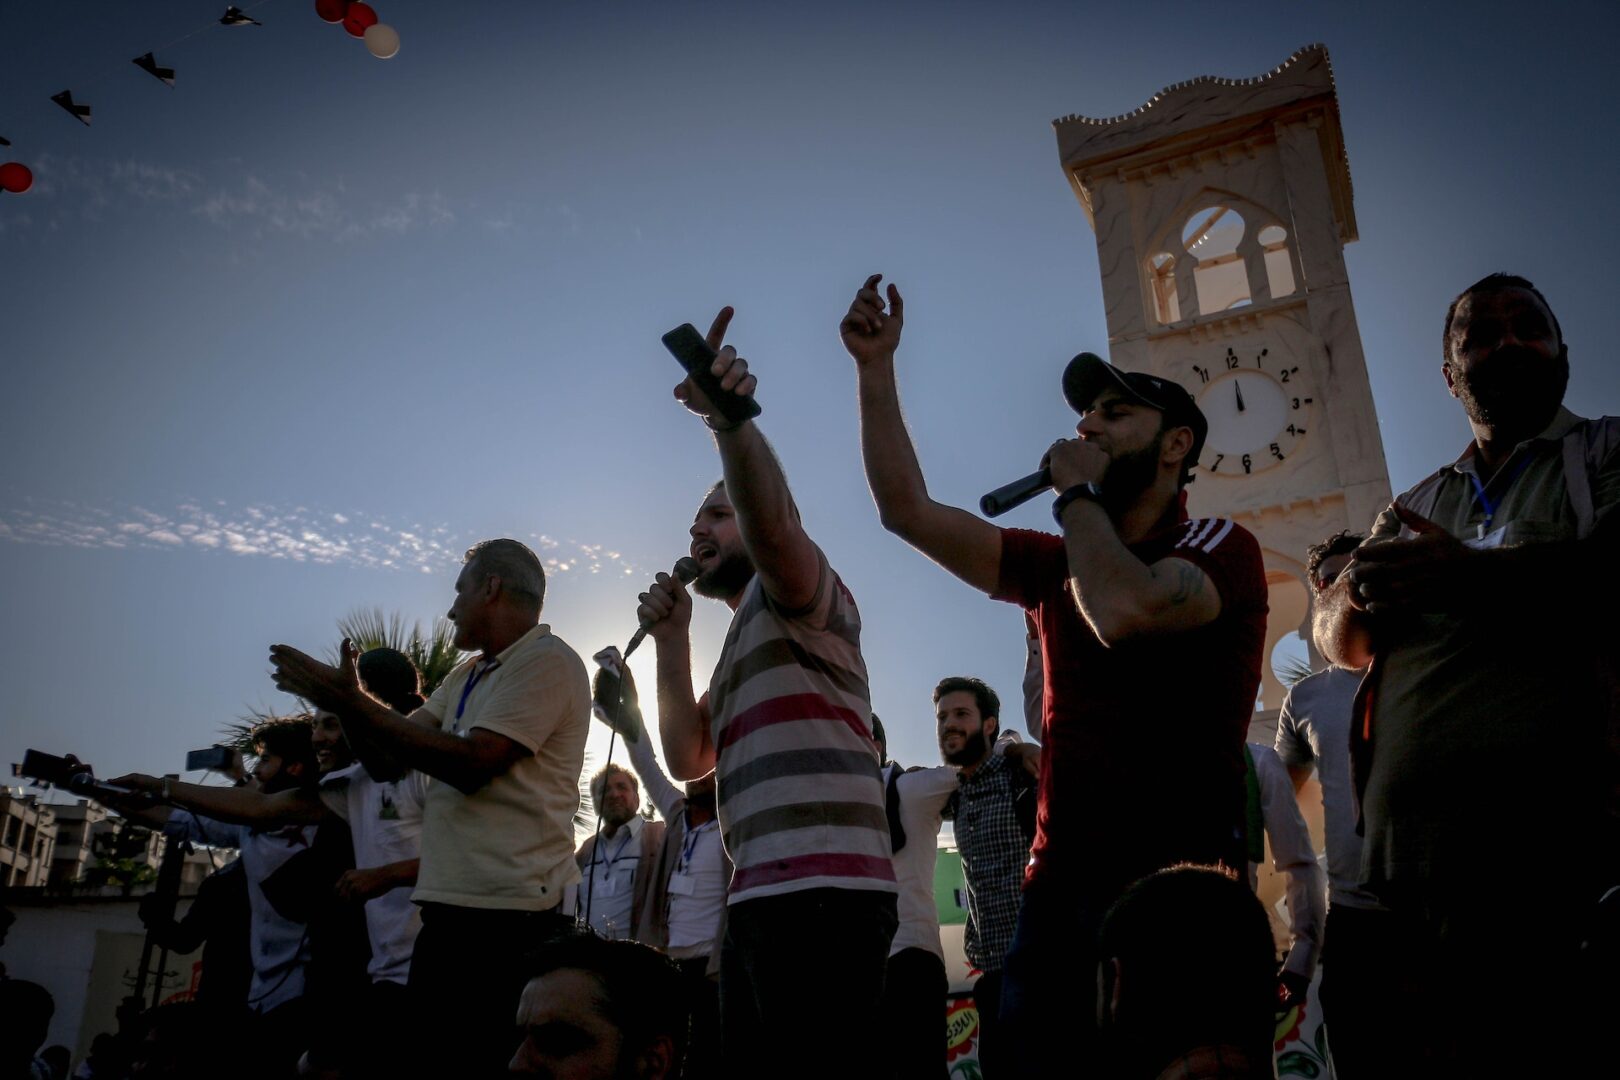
pixel 1142 758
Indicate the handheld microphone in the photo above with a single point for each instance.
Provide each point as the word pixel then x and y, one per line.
pixel 686 571
pixel 1017 493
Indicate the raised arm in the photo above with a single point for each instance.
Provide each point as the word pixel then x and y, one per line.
pixel 1293 856
pixel 466 763
pixel 616 698
pixel 683 722
pixel 237 805
pixel 787 562
pixel 957 540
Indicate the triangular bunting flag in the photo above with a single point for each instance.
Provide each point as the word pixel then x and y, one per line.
pixel 81 113
pixel 235 16
pixel 150 66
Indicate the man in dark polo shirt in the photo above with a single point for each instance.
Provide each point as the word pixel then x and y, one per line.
pixel 1485 735
pixel 1151 628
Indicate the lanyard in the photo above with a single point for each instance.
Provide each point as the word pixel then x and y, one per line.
pixel 467 688
pixel 1485 502
pixel 691 845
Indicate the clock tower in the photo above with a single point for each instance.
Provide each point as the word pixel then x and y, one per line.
pixel 1221 209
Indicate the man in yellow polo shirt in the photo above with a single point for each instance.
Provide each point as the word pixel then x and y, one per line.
pixel 503 739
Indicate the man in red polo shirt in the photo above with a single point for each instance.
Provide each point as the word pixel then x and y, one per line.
pixel 1151 629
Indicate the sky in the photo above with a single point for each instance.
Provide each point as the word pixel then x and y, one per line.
pixel 279 343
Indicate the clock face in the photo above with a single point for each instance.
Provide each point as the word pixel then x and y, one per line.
pixel 1258 406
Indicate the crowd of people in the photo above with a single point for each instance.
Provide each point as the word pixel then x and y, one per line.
pixel 409 898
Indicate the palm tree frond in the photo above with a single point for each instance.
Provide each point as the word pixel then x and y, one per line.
pixel 434 654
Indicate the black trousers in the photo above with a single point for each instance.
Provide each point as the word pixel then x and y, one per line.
pixel 987 1000
pixel 703 1043
pixel 1362 963
pixel 467 973
pixel 801 962
pixel 913 1014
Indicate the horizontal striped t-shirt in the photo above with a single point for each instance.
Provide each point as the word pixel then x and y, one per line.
pixel 800 797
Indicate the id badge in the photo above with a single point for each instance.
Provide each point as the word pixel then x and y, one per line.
pixel 682 885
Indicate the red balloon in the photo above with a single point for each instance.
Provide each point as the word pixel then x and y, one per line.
pixel 358 17
pixel 15 177
pixel 332 11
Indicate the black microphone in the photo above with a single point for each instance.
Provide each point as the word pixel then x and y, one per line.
pixel 1017 493
pixel 686 571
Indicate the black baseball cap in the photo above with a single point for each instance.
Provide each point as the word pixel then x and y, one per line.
pixel 1089 375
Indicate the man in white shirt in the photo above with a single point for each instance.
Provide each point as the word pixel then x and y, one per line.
pixel 617 862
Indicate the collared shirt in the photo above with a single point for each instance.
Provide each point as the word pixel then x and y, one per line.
pixel 280 946
pixel 696 874
pixel 1314 729
pixel 994 853
pixel 1465 703
pixel 385 822
pixel 510 844
pixel 608 891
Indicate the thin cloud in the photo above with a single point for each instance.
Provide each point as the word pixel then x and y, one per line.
pixel 296 534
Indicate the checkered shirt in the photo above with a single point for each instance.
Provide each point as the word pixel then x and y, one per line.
pixel 994 855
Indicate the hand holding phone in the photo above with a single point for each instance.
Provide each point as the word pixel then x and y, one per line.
pixel 697 356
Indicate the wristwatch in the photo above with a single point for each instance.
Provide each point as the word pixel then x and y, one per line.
pixel 1078 491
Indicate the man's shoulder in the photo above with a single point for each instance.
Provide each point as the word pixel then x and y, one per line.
pixel 1214 536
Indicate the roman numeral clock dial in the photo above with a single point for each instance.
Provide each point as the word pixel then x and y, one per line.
pixel 1259 404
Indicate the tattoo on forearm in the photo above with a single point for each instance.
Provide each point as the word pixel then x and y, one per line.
pixel 1189 583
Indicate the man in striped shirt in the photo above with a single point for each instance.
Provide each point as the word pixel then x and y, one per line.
pixel 1151 628
pixel 785 727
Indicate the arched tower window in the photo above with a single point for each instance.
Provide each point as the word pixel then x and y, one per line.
pixel 1211 236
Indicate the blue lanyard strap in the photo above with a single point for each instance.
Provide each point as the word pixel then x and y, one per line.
pixel 472 681
pixel 691 844
pixel 1485 502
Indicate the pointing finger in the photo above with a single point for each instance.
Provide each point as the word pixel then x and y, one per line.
pixel 717 329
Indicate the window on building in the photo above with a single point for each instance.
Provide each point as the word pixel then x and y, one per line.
pixel 1211 236
pixel 1279 266
pixel 1162 276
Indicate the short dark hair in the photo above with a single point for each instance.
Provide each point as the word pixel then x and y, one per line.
pixel 1496 282
pixel 28 1008
pixel 879 736
pixel 287 737
pixel 643 994
pixel 390 676
pixel 599 781
pixel 1196 956
pixel 989 704
pixel 1340 543
pixel 514 563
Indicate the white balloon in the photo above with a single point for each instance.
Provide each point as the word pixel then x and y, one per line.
pixel 382 40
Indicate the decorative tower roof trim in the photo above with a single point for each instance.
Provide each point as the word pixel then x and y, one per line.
pixel 1191 117
pixel 1305 52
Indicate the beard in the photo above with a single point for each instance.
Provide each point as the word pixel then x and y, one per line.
pixel 1512 387
pixel 972 751
pixel 1129 474
pixel 726 578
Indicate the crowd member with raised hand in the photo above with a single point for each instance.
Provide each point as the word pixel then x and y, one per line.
pixel 1486 730
pixel 503 739
pixel 380 822
pixel 785 728
pixel 285 770
pixel 1138 771
pixel 684 910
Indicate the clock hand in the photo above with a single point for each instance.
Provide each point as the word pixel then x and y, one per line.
pixel 1239 390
